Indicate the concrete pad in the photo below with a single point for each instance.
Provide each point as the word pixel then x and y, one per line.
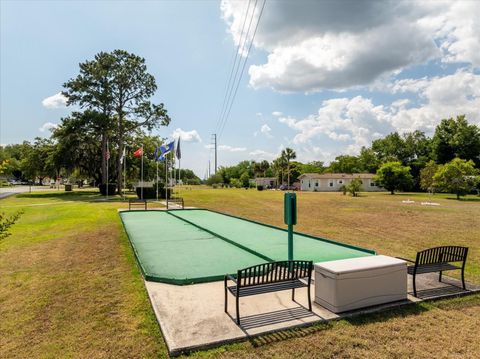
pixel 192 317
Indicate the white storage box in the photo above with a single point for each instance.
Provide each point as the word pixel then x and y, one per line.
pixel 354 283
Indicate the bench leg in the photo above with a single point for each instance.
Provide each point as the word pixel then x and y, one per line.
pixel 293 294
pixel 463 278
pixel 226 300
pixel 440 276
pixel 238 311
pixel 414 286
pixel 309 300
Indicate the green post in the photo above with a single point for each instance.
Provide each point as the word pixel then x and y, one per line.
pixel 290 218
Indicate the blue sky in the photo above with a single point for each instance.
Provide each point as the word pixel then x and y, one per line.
pixel 324 78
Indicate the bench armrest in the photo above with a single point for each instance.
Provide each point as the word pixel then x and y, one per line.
pixel 405 259
pixel 229 277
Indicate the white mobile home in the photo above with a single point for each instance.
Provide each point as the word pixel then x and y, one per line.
pixel 333 182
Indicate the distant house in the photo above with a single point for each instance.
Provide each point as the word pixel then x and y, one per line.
pixel 266 182
pixel 332 182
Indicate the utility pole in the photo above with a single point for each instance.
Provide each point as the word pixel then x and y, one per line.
pixel 208 168
pixel 214 139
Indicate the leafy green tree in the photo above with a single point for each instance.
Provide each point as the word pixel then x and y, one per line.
pixel 368 160
pixel 117 85
pixel 354 187
pixel 426 176
pixel 245 180
pixel 214 179
pixel 457 176
pixel 312 167
pixel 345 164
pixel 235 183
pixel 288 154
pixel 35 163
pixel 261 168
pixel 390 148
pixel 456 138
pixel 393 176
pixel 279 166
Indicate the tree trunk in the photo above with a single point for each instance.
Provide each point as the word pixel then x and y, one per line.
pixel 392 191
pixel 104 158
pixel 288 174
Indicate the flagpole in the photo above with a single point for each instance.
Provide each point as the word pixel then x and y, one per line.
pixel 166 179
pixel 156 160
pixel 141 188
pixel 124 173
pixel 107 155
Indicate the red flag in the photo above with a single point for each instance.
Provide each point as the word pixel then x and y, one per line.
pixel 139 152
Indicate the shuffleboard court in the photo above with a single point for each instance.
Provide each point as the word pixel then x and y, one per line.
pixel 198 245
pixel 173 251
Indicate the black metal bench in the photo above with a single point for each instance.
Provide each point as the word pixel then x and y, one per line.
pixel 134 202
pixel 267 278
pixel 438 259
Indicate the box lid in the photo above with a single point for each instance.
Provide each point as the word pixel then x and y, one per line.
pixel 350 265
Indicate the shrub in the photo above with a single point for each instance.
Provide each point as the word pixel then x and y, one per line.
pixel 354 187
pixel 151 192
pixel 112 189
pixel 260 187
pixel 7 222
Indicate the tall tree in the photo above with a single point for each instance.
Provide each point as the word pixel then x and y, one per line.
pixel 118 85
pixel 345 164
pixel 457 176
pixel 456 138
pixel 288 154
pixel 393 176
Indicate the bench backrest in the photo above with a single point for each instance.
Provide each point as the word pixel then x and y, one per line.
pixel 442 255
pixel 274 272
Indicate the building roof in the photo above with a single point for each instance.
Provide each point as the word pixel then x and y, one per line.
pixel 336 175
pixel 266 178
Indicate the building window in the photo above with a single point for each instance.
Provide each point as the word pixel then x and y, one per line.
pixel 309 184
pixel 372 184
pixel 340 181
pixel 331 184
pixel 316 184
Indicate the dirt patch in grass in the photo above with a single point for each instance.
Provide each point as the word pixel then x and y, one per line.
pixel 75 296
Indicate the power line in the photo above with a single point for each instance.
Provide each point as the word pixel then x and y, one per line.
pixel 243 68
pixel 237 66
pixel 234 57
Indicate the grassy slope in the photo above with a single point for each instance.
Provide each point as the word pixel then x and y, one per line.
pixel 69 286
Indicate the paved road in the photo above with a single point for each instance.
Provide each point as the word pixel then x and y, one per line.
pixel 9 191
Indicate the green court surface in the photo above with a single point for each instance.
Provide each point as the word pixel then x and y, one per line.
pixel 198 245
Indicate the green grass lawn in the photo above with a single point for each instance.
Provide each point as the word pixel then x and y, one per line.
pixel 69 285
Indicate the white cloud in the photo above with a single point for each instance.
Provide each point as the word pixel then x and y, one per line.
pixel 231 149
pixel 355 122
pixel 262 155
pixel 277 113
pixel 55 101
pixel 265 129
pixel 48 126
pixel 187 136
pixel 339 45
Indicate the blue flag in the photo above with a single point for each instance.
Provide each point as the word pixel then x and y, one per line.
pixel 161 151
pixel 164 149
